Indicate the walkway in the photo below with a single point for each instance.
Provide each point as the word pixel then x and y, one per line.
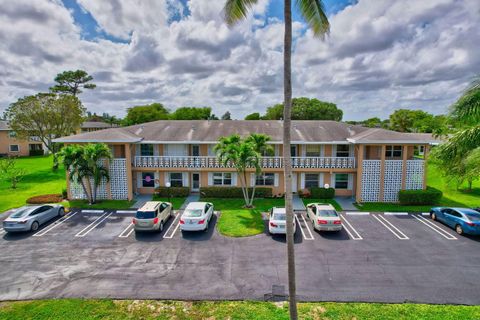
pixel 141 199
pixel 298 203
pixel 191 198
pixel 346 203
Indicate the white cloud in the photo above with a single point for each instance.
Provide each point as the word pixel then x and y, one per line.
pixel 379 56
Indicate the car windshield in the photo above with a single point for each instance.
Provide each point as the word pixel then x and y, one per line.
pixel 327 213
pixel 279 216
pixel 20 213
pixel 145 215
pixel 194 213
pixel 473 216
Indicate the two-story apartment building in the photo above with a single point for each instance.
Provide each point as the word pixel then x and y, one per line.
pixel 12 146
pixel 369 164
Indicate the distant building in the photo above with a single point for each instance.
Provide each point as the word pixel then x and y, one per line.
pixel 89 126
pixel 10 145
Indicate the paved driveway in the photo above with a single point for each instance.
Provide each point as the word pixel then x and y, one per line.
pixel 378 257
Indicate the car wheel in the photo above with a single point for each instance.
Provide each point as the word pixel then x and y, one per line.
pixel 206 226
pixel 61 212
pixel 161 226
pixel 433 216
pixel 34 226
pixel 459 229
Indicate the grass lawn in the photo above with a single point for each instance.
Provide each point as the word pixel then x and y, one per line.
pixel 331 201
pixel 236 221
pixel 39 179
pixel 176 202
pixel 145 309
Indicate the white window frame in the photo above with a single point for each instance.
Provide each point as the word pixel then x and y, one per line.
pixel 390 151
pixel 347 181
pixel 17 145
pixel 306 180
pixel 182 180
pixel 144 146
pixel 222 177
pixel 316 154
pixel 345 153
pixel 263 179
pixel 143 179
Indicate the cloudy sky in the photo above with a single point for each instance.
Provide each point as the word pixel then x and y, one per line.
pixel 380 55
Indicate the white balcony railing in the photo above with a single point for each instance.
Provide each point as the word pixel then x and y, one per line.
pixel 267 162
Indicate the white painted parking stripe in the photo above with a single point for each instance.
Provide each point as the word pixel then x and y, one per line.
pixel 2 231
pixel 387 224
pixel 301 229
pixel 357 213
pixel 308 228
pixel 165 235
pixel 56 224
pixel 93 225
pixel 126 211
pixel 396 213
pixel 127 232
pixel 93 211
pixel 425 213
pixel 350 232
pixel 435 228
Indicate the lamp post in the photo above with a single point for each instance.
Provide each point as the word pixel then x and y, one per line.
pixel 168 185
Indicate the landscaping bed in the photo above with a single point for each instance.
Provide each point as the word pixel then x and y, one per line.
pixel 183 310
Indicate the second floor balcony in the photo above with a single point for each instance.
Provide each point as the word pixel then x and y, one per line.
pixel 208 162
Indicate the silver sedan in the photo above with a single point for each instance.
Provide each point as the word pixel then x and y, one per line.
pixel 30 218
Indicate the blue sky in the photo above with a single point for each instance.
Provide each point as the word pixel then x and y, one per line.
pixel 92 31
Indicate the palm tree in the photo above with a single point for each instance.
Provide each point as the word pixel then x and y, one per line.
pixel 314 14
pixel 76 166
pixel 95 155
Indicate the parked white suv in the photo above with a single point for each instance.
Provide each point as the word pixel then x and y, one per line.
pixel 324 217
pixel 152 216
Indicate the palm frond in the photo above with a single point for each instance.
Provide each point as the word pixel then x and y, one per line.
pixel 313 11
pixel 467 108
pixel 463 142
pixel 236 10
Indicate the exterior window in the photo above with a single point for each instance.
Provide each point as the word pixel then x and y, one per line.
pixel 12 134
pixel 148 179
pixel 393 152
pixel 35 147
pixel 146 149
pixel 313 150
pixel 176 179
pixel 293 151
pixel 14 148
pixel 343 150
pixel 266 179
pixel 222 179
pixel 312 180
pixel 341 181
pixel 269 153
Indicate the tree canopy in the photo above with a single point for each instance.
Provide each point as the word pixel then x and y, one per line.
pixel 253 116
pixel 306 109
pixel 46 116
pixel 192 113
pixel 405 120
pixel 145 113
pixel 70 82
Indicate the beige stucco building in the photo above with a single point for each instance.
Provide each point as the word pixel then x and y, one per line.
pixel 365 163
pixel 12 146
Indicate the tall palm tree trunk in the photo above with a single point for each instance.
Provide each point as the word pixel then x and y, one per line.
pixel 287 161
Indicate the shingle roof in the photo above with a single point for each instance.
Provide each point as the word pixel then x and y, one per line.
pixel 205 131
pixel 382 135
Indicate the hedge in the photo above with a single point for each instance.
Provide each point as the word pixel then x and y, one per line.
pixel 45 198
pixel 430 196
pixel 233 192
pixel 322 193
pixel 172 191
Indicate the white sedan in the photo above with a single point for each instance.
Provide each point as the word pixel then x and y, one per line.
pixel 324 217
pixel 196 217
pixel 278 221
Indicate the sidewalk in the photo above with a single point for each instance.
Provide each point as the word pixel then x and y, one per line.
pixel 346 203
pixel 190 198
pixel 298 203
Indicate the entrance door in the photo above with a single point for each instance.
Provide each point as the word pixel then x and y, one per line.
pixel 195 182
pixel 195 151
pixel 294 182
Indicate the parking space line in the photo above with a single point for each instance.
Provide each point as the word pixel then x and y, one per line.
pixel 434 227
pixel 93 225
pixel 396 213
pixel 357 213
pixel 425 213
pixel 350 233
pixel 56 224
pixel 126 211
pixel 177 217
pixel 93 211
pixel 387 224
pixel 2 231
pixel 127 232
pixel 301 229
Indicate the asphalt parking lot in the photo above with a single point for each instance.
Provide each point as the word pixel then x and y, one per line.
pixel 376 257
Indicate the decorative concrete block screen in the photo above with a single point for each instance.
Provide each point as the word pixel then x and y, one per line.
pixel 415 173
pixel 371 180
pixel 118 179
pixel 118 183
pixel 392 182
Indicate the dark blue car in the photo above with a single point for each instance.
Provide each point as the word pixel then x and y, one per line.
pixel 462 220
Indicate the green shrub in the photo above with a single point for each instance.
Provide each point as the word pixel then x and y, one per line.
pixel 233 192
pixel 430 196
pixel 36 153
pixel 175 192
pixel 322 193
